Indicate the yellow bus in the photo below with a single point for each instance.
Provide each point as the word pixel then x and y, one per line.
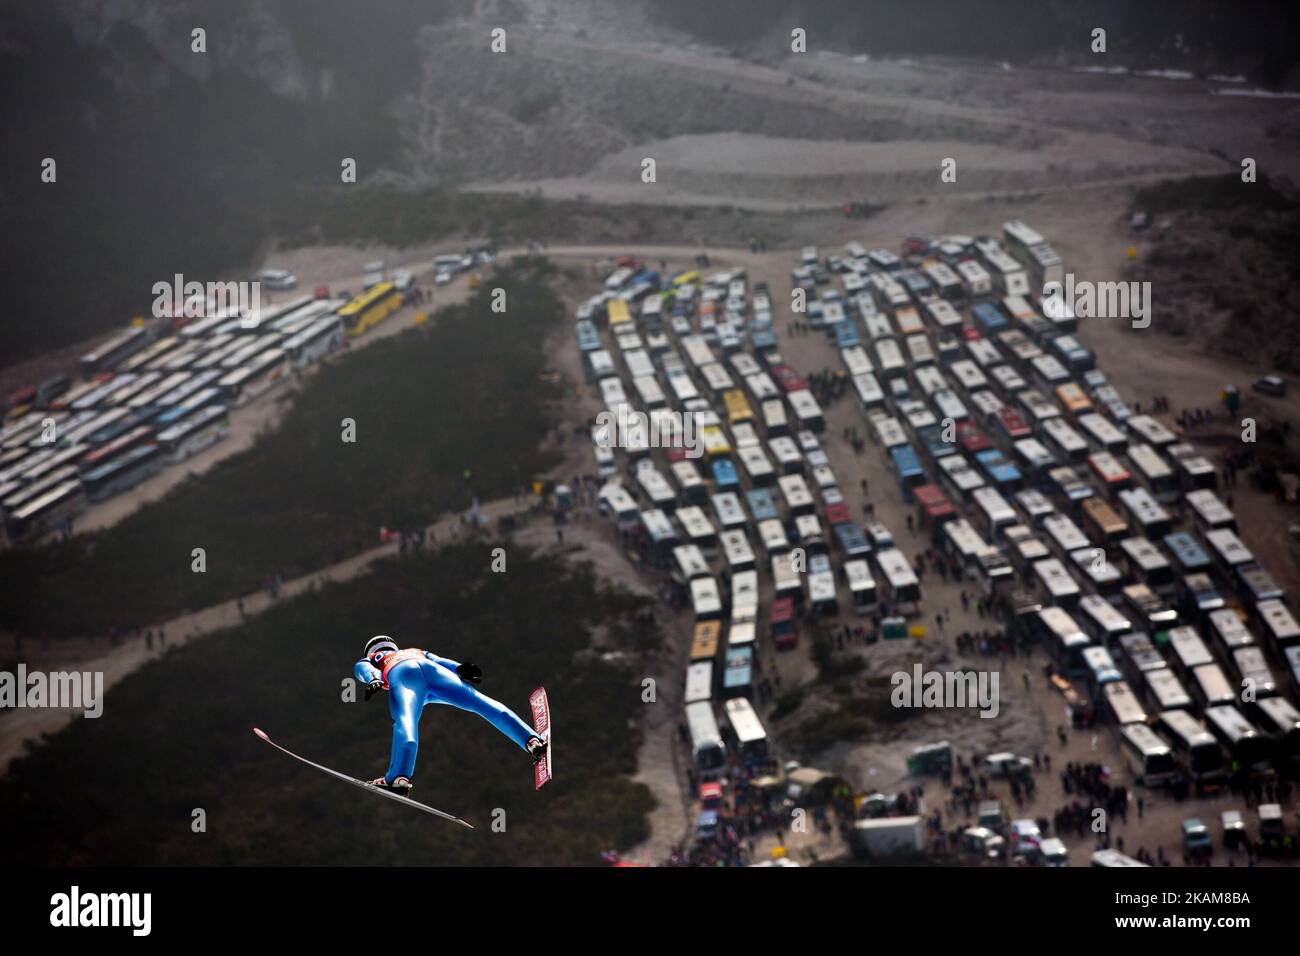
pixel 1102 523
pixel 687 278
pixel 738 409
pixel 620 317
pixel 370 308
pixel 714 441
pixel 705 645
pixel 1073 400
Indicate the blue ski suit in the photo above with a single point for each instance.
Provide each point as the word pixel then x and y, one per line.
pixel 419 677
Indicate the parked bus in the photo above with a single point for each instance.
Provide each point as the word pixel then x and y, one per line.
pixel 195 432
pixel 1209 511
pixel 124 472
pixel 1250 669
pixel 705 599
pixel 746 733
pixel 903 587
pixel 1102 523
pixel 1227 552
pixel 1154 473
pixel 1197 751
pixel 242 385
pixel 807 413
pixel 1121 703
pixel 1279 719
pixel 1146 565
pixel 1148 611
pixel 993 512
pixel 1064 640
pixel 58 505
pixel 1279 624
pixel 1249 749
pixel 1188 556
pixel 794 490
pixel 1147 518
pixel 1057 583
pixel 1064 535
pixel 861 585
pixel 1166 691
pixel 699 682
pixel 1112 477
pixel 1150 759
pixel 690 563
pixel 707 749
pixel 1063 441
pixel 371 307
pixel 1101 620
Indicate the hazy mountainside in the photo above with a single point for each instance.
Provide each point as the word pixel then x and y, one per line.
pixel 171 161
pixel 1255 37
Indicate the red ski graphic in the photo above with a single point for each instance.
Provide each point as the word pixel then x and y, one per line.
pixel 542 724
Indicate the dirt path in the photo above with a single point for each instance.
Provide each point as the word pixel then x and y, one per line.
pixel 18 727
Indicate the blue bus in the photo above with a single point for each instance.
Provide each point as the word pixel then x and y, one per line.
pixel 1189 556
pixel 852 541
pixel 908 469
pixel 931 437
pixel 761 505
pixel 738 675
pixel 762 338
pixel 988 319
pixel 588 337
pixel 724 475
pixel 1003 474
pixel 846 335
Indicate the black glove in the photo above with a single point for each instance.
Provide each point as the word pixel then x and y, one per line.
pixel 470 672
pixel 373 688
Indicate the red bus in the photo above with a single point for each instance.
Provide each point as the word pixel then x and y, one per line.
pixel 1112 476
pixel 782 618
pixel 934 504
pixel 1012 424
pixel 972 438
pixel 837 513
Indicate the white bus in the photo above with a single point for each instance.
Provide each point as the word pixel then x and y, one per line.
pixel 1144 514
pixel 1066 443
pixel 269 369
pixel 717 378
pixel 1154 472
pixel 1166 690
pixel 959 478
pixel 984 353
pixel 1102 434
pixel 1148 566
pixel 706 743
pixel 994 512
pixel 785 576
pixel 691 488
pixel 862 587
pixel 772 533
pixel 889 359
pixel 1210 512
pixel 856 360
pixel 727 508
pixel 798 498
pixel 1057 583
pixel 1227 551
pixel 748 737
pixel 690 562
pixel 1065 640
pixel 705 598
pixel 1064 535
pixel 737 550
pixel 974 278
pixel 904 589
pixel 919 351
pixel 807 413
pixel 195 432
pixel 699 682
pixel 789 459
pixel 699 529
pixel 775 422
pixel 870 394
pixel 656 488
pixel 968 375
pixel 322 337
pixel 1102 621
pixel 1279 624
pixel 1151 431
pixel 887 431
pixel 1123 704
pixel 821 588
pixel 1151 760
pixel 756 466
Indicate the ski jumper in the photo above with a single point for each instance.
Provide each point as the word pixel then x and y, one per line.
pixel 414 678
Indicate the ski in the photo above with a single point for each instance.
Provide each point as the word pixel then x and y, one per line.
pixel 542 724
pixel 363 784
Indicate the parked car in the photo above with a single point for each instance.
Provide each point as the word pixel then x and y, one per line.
pixel 1196 838
pixel 983 842
pixel 1234 828
pixel 1054 853
pixel 1007 764
pixel 1270 385
pixel 1026 839
pixel 442 278
pixel 278 279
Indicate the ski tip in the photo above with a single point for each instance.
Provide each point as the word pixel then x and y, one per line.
pixel 465 823
pixel 261 733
